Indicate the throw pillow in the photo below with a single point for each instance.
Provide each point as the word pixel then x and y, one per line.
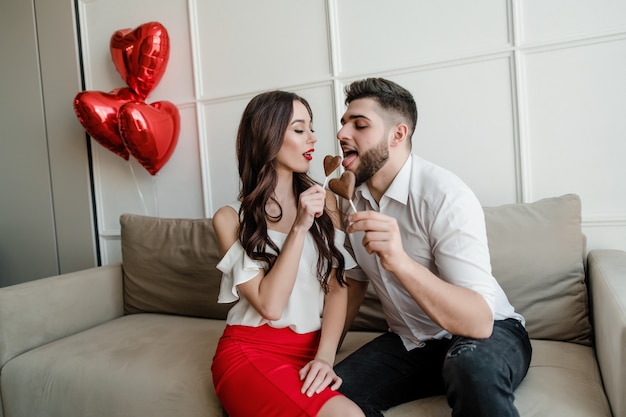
pixel 169 266
pixel 537 257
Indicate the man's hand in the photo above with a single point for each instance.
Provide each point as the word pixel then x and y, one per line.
pixel 317 375
pixel 382 237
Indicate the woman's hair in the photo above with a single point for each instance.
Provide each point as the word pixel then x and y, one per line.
pixel 259 138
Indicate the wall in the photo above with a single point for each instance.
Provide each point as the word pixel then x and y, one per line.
pixel 46 217
pixel 523 99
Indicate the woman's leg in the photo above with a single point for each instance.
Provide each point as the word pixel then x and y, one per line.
pixel 255 372
pixel 340 406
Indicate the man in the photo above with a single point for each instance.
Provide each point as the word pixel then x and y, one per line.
pixel 419 237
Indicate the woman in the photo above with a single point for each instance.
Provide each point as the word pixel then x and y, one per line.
pixel 281 261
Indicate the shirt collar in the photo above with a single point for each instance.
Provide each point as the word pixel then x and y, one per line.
pixel 398 189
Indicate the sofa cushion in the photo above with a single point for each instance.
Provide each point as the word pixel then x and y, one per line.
pixel 169 266
pixel 138 365
pixel 537 256
pixel 563 381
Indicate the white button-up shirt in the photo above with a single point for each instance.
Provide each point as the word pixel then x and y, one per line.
pixel 443 228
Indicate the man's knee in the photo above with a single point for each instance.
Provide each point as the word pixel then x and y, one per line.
pixel 465 365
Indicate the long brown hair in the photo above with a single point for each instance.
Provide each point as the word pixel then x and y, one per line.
pixel 259 138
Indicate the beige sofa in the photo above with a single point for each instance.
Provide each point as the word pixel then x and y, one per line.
pixel 137 340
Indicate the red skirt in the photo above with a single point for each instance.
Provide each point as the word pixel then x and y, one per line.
pixel 255 372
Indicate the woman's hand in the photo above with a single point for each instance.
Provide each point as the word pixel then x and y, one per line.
pixel 310 205
pixel 317 375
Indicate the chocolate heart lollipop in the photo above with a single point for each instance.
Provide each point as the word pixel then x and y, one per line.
pixel 344 186
pixel 331 163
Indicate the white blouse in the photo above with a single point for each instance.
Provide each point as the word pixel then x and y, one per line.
pixel 304 309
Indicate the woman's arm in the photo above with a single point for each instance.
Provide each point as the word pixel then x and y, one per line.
pixel 319 373
pixel 269 293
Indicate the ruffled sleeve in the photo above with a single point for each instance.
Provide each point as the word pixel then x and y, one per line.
pixel 237 267
pixel 340 238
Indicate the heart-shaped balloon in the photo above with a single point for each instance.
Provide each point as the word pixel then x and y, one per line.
pixel 150 132
pixel 98 113
pixel 141 56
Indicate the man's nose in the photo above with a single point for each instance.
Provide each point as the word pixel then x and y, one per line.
pixel 341 133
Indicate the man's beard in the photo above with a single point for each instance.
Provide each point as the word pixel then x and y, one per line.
pixel 371 162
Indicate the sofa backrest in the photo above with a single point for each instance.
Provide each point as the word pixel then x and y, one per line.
pixel 536 253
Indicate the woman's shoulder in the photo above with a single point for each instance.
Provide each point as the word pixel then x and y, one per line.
pixel 229 211
pixel 226 224
pixel 226 214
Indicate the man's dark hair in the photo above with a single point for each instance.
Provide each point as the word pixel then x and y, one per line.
pixel 389 95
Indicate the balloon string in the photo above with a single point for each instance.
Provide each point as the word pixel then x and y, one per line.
pixel 155 193
pixel 143 202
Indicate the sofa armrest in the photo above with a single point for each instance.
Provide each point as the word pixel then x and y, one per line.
pixel 38 312
pixel 607 281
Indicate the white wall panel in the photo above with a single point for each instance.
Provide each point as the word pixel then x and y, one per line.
pixel 465 124
pixel 179 183
pixel 221 120
pixel 551 20
pixel 562 72
pixel 254 45
pixel 611 236
pixel 111 250
pixel 577 125
pixel 382 35
pixel 125 186
pixel 101 19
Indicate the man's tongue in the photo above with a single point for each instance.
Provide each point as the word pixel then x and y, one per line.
pixel 348 159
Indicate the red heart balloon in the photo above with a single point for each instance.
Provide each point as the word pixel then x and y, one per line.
pixel 150 132
pixel 141 55
pixel 98 113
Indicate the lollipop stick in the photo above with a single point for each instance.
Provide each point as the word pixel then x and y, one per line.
pixel 325 182
pixel 352 205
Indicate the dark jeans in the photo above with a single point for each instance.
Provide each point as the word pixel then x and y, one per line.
pixel 478 376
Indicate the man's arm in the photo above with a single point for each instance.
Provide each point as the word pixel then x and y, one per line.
pixel 459 310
